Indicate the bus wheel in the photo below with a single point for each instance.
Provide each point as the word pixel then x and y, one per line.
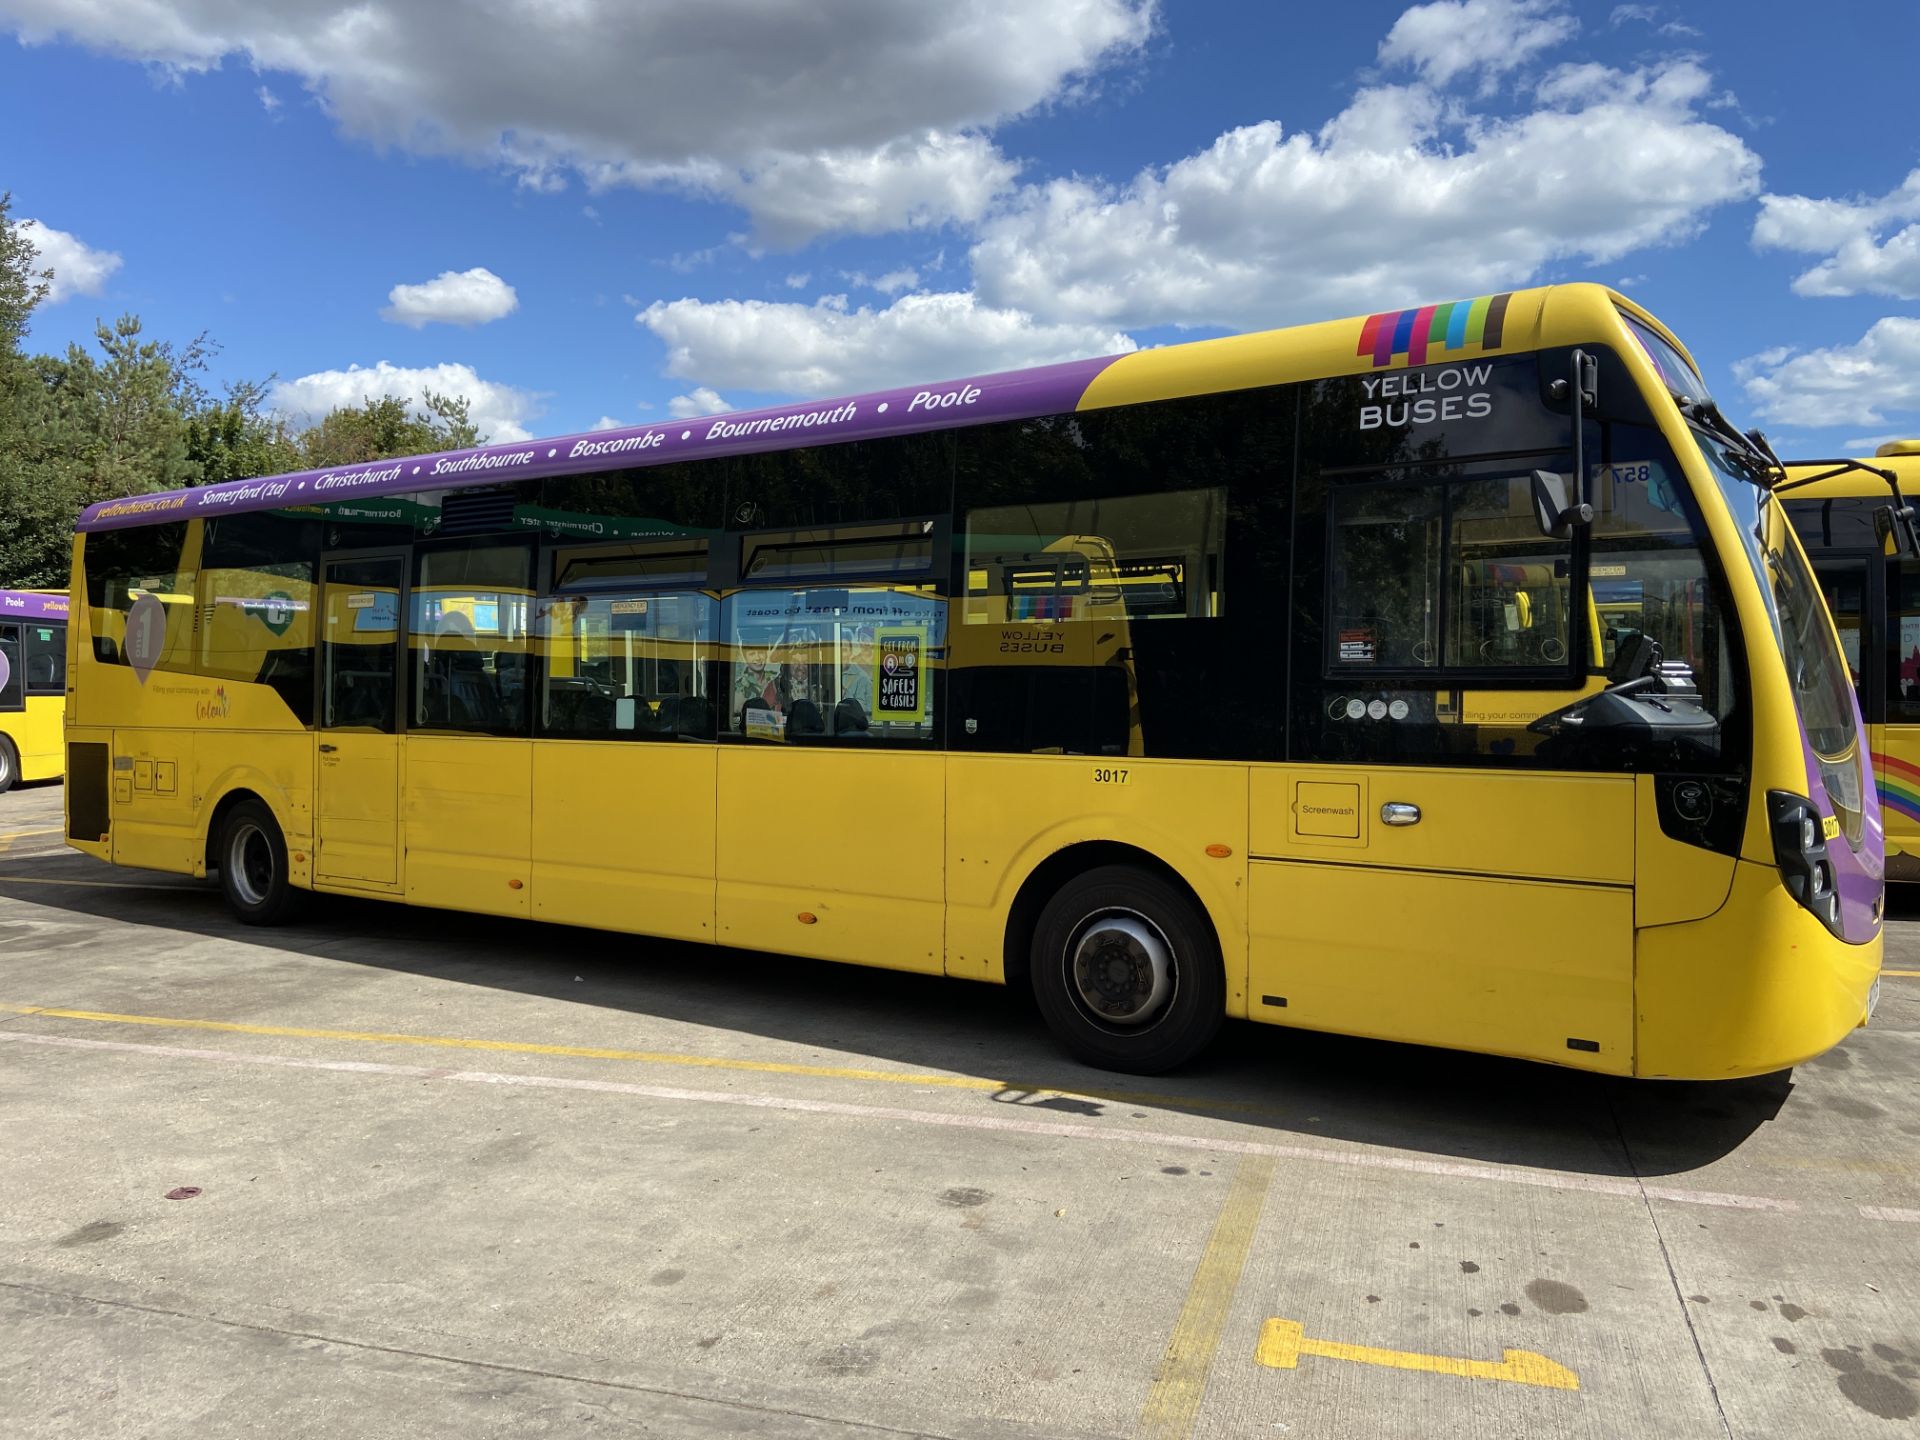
pixel 9 765
pixel 253 866
pixel 1127 971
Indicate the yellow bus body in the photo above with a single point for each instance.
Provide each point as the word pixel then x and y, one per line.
pixel 1537 914
pixel 32 730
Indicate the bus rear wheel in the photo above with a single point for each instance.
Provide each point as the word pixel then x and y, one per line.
pixel 9 765
pixel 253 866
pixel 1127 972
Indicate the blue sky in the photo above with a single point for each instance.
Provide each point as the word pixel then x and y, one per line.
pixel 580 212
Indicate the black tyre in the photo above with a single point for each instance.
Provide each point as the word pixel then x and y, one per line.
pixel 253 866
pixel 9 765
pixel 1127 971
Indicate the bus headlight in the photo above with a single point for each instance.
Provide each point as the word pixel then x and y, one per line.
pixel 1800 849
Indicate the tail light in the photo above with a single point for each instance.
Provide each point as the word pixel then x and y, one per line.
pixel 1800 848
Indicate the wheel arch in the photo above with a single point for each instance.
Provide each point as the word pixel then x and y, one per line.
pixel 1065 864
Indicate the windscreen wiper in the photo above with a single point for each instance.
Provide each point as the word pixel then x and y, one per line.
pixel 1749 451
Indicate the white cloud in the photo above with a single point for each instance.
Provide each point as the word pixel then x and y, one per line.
pixel 871 111
pixel 798 280
pixel 1860 384
pixel 269 101
pixel 454 297
pixel 1850 234
pixel 827 348
pixel 891 283
pixel 78 269
pixel 1400 197
pixel 703 401
pixel 500 411
pixel 1452 38
pixel 607 422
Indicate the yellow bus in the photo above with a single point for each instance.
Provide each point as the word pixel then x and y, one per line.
pixel 1875 599
pixel 1446 675
pixel 33 685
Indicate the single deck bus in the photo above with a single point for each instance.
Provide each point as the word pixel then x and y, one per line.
pixel 33 685
pixel 1875 599
pixel 1445 675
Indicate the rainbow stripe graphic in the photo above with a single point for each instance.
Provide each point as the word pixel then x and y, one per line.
pixel 1899 785
pixel 1432 331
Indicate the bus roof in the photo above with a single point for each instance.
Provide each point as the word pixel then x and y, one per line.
pixel 1855 482
pixel 1430 334
pixel 32 605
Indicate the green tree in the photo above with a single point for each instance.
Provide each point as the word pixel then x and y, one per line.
pixel 238 438
pixel 386 426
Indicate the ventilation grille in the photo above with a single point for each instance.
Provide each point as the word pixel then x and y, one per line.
pixel 87 792
pixel 476 512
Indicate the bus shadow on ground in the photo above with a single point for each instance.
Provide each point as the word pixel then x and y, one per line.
pixel 1297 1082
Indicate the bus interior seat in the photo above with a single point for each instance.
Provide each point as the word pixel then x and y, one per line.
pixel 804 719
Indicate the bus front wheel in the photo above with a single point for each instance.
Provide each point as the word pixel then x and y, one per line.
pixel 253 866
pixel 1127 972
pixel 9 765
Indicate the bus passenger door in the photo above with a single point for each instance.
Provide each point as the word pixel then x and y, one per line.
pixel 357 782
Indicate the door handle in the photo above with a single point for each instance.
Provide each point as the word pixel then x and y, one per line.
pixel 1396 812
pixel 328 749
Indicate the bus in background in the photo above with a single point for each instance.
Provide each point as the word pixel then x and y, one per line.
pixel 1875 599
pixel 33 685
pixel 1446 675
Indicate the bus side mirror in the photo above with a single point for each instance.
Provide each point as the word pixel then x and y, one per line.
pixel 1895 528
pixel 1551 511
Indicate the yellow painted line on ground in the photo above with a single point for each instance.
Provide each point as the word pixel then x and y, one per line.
pixel 1283 1342
pixel 1181 1381
pixel 1903 974
pixel 978 1083
pixel 23 834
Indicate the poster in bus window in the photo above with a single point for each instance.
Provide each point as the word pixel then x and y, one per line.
pixel 899 679
pixel 1910 657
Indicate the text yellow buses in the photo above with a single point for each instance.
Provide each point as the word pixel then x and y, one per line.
pixel 1159 683
pixel 33 685
pixel 1875 598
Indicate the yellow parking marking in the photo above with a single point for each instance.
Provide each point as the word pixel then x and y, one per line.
pixel 1181 1381
pixel 1014 1091
pixel 1903 974
pixel 1283 1342
pixel 23 834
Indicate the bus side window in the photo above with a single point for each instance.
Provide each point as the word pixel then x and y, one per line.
pixel 628 639
pixel 469 638
pixel 1059 599
pixel 838 636
pixel 13 686
pixel 122 566
pixel 44 653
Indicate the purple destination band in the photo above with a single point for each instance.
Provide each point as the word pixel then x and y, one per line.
pixel 30 605
pixel 1013 395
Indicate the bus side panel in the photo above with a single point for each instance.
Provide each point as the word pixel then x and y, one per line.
pixel 1510 967
pixel 276 766
pixel 467 822
pixel 37 733
pixel 1738 993
pixel 852 838
pixel 623 836
pixel 1896 772
pixel 1673 881
pixel 155 822
pixel 1004 819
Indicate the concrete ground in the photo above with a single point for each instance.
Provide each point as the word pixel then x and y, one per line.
pixel 415 1174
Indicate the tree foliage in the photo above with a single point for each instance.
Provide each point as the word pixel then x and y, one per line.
pixel 133 414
